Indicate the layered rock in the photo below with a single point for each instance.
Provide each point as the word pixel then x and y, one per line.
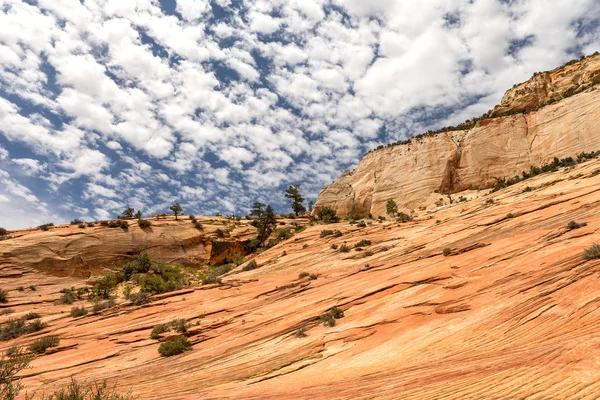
pixel 71 251
pixel 450 162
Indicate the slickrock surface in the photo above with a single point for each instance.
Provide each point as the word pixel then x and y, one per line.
pixel 71 251
pixel 452 162
pixel 512 313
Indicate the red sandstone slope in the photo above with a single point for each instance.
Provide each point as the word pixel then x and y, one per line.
pixel 513 312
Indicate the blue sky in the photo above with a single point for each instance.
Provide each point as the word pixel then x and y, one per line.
pixel 106 104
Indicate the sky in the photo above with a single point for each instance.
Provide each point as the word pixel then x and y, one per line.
pixel 109 104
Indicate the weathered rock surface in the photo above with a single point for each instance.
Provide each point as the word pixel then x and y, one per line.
pixel 70 251
pixel 415 174
pixel 512 313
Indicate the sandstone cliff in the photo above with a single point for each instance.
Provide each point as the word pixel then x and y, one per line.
pixel 71 251
pixel 450 162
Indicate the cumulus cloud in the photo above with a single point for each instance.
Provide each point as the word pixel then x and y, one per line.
pixel 215 104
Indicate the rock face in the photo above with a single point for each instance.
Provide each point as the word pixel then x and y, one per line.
pixel 512 311
pixel 450 162
pixel 71 251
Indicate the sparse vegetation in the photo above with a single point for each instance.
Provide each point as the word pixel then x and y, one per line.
pixel 144 223
pixel 176 208
pixel 3 232
pixel 362 224
pixel 592 252
pixel 174 347
pixel 576 225
pixel 78 311
pixel 333 314
pixel 344 248
pixel 328 215
pixel 14 360
pixel 334 246
pixel 446 252
pixel 45 227
pixel 3 296
pixel 102 305
pixel 43 343
pixel 87 391
pixel 403 217
pixel 363 243
pixel 177 325
pixel 510 215
pixel 14 328
pixel 250 266
pixel 76 221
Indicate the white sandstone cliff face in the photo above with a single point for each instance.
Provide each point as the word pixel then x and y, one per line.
pixel 455 161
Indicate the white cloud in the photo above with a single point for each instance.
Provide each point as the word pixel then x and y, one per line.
pixel 3 153
pixel 263 23
pixel 29 165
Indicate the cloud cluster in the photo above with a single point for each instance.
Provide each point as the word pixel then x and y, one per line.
pixel 216 103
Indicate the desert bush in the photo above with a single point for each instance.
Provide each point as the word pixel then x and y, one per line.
pixel 403 217
pixel 363 243
pixel 329 318
pixel 144 223
pixel 303 275
pixel 159 330
pixel 369 254
pixel 91 225
pixel 46 227
pixel 283 234
pixel 592 252
pixel 76 221
pixel 139 299
pixel 68 296
pixel 43 343
pixel 81 226
pixel 78 311
pixel 3 296
pixel 3 232
pixel 325 233
pixel 344 248
pixel 328 215
pixel 7 311
pixel 174 347
pixel 220 232
pixel 87 391
pixel 334 246
pixel 21 288
pixel 575 225
pixel 102 305
pixel 114 224
pixel 198 225
pixel 250 266
pixel 510 215
pixel 446 252
pixel 14 328
pixel 14 360
pixel 31 316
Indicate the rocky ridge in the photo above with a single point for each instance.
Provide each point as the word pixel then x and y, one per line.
pixel 417 173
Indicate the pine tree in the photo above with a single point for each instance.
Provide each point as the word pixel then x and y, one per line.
pixel 176 208
pixel 258 209
pixel 391 207
pixel 138 214
pixel 296 199
pixel 266 224
pixel 129 212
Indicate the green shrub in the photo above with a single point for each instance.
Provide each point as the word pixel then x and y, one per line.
pixel 102 305
pixel 325 233
pixel 334 246
pixel 78 311
pixel 33 288
pixel 510 215
pixel 174 347
pixel 369 254
pixel 159 330
pixel 446 252
pixel 14 328
pixel 21 289
pixel 327 215
pixel 45 227
pixel 104 287
pixel 114 224
pixel 76 221
pixel 363 243
pixel 31 316
pixel 333 314
pixel 344 248
pixel 592 252
pixel 139 299
pixel 87 391
pixel 68 297
pixel 91 225
pixel 250 266
pixel 144 223
pixel 3 296
pixel 303 275
pixel 3 232
pixel 81 226
pixel 40 345
pixel 361 224
pixel 403 217
pixel 283 234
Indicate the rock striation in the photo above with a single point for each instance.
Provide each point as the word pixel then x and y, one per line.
pixel 535 127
